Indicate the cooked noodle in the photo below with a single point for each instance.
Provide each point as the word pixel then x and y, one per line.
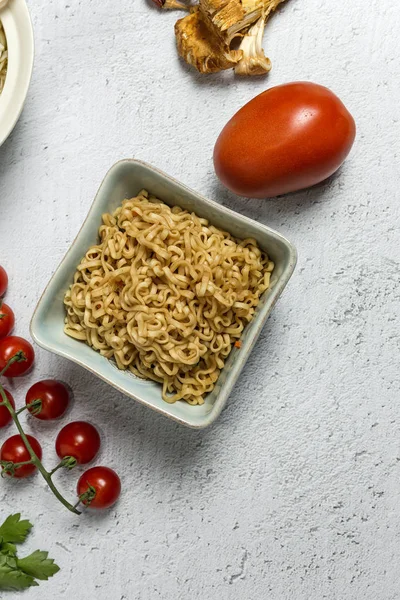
pixel 3 57
pixel 166 295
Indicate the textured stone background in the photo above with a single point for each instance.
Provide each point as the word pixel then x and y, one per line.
pixel 295 492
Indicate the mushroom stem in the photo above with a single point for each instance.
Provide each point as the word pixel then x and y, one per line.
pixel 254 61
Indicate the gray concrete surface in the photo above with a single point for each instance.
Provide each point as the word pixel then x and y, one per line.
pixel 295 493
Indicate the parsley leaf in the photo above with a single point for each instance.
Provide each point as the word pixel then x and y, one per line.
pixel 15 580
pixel 7 548
pixel 11 577
pixel 38 565
pixel 14 530
pixel 20 573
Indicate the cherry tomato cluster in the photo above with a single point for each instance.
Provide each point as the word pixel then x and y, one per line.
pixel 78 443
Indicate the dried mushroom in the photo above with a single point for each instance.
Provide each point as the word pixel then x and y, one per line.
pixel 254 61
pixel 229 18
pixel 221 16
pixel 204 37
pixel 200 48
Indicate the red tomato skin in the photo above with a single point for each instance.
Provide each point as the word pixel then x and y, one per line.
pixel 288 138
pixel 5 417
pixel 54 396
pixel 78 439
pixel 7 320
pixel 9 346
pixel 3 281
pixel 14 450
pixel 106 483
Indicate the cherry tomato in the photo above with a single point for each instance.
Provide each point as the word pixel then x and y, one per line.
pixel 101 487
pixel 3 281
pixel 5 416
pixel 9 347
pixel 79 439
pixel 7 320
pixel 54 398
pixel 14 450
pixel 288 138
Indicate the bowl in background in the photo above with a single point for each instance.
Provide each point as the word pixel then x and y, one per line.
pixel 19 34
pixel 124 180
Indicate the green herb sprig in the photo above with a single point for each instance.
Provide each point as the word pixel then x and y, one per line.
pixel 21 573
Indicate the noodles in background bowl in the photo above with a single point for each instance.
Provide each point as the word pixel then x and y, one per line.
pixel 166 295
pixel 3 57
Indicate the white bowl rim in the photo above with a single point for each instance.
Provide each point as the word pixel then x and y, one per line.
pixel 278 289
pixel 17 26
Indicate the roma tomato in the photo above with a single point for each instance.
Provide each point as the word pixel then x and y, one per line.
pixel 52 397
pixel 288 138
pixel 11 346
pixel 99 487
pixel 79 440
pixel 14 451
pixel 5 416
pixel 3 281
pixel 7 320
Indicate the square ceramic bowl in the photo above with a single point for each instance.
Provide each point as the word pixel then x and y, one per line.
pixel 124 180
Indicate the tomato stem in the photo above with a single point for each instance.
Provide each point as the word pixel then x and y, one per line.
pixel 9 468
pixel 19 357
pixel 88 496
pixel 34 407
pixel 59 466
pixel 34 458
pixel 68 462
